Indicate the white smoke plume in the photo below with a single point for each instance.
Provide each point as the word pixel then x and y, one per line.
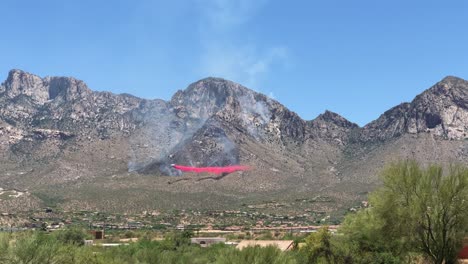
pixel 255 114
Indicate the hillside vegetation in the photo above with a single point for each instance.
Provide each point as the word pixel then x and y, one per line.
pixel 419 215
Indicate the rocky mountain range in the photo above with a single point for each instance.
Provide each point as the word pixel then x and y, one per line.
pixel 62 143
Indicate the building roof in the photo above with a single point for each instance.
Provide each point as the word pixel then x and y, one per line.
pixel 208 239
pixel 283 245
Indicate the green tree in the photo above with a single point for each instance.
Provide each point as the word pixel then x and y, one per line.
pixel 416 210
pixel 72 235
pixel 175 240
pixel 4 247
pixel 34 248
pixel 256 254
pixel 318 247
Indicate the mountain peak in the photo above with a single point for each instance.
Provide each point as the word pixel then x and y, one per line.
pixel 217 86
pixel 453 87
pixel 331 126
pixel 20 82
pixel 451 78
pixel 206 96
pixel 17 75
pixel 332 117
pixel 212 79
pixel 18 71
pixel 441 110
pixel 69 88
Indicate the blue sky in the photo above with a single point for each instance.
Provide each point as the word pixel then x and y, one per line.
pixel 356 58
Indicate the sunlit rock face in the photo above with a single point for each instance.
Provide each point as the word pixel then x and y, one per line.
pixel 441 110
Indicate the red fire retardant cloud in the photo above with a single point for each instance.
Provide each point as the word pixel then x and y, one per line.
pixel 213 170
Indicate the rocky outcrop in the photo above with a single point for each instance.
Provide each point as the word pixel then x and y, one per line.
pixel 51 134
pixel 441 110
pixel 255 114
pixel 391 124
pixel 64 103
pixel 41 90
pixel 331 126
pixel 22 83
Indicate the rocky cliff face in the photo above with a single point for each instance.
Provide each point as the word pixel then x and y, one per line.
pixel 440 111
pixel 28 100
pixel 252 113
pixel 57 133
